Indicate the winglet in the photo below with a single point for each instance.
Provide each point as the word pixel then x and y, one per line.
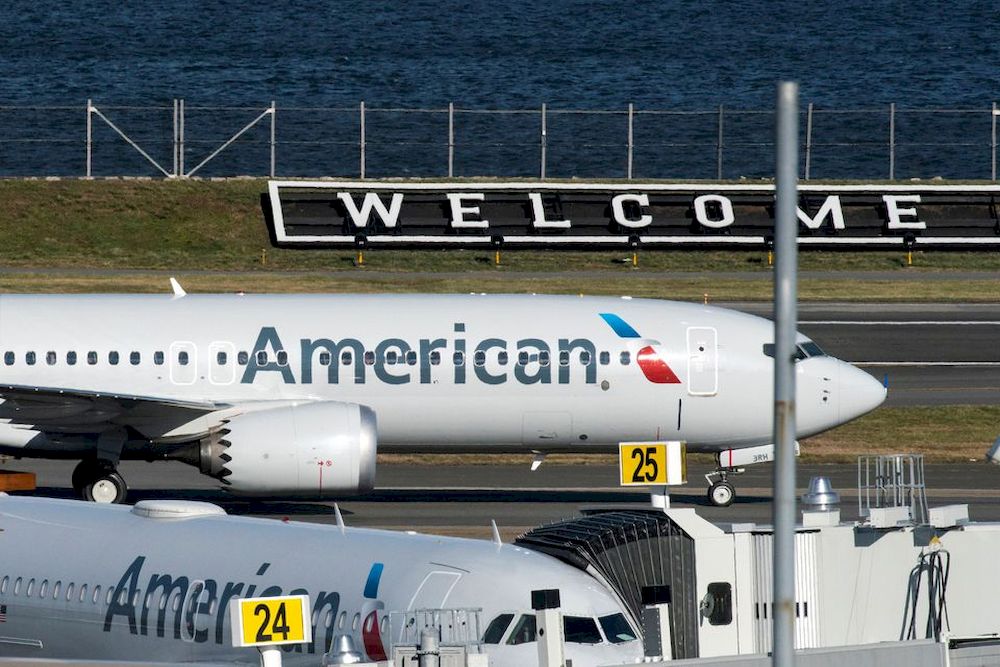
pixel 178 290
pixel 496 533
pixel 340 518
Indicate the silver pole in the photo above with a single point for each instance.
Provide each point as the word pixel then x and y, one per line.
pixel 718 149
pixel 362 139
pixel 451 139
pixel 892 141
pixel 993 142
pixel 180 133
pixel 631 114
pixel 274 121
pixel 542 160
pixel 785 287
pixel 809 139
pixel 175 138
pixel 90 137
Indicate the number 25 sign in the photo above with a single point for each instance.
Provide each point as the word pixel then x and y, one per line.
pixel 271 621
pixel 652 463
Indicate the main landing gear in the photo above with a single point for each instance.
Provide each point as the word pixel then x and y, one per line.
pixel 98 481
pixel 721 491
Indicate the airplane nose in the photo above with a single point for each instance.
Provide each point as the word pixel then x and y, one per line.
pixel 860 393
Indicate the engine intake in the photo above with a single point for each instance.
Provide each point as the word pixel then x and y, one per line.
pixel 311 449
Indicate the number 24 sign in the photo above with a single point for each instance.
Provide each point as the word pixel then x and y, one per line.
pixel 652 463
pixel 271 621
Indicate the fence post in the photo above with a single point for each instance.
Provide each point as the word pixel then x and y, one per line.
pixel 362 138
pixel 274 120
pixel 993 142
pixel 543 141
pixel 892 141
pixel 718 149
pixel 174 143
pixel 809 138
pixel 631 113
pixel 90 136
pixel 180 134
pixel 451 139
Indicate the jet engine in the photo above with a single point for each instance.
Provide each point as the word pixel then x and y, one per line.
pixel 310 449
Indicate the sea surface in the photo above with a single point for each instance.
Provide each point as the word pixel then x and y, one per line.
pixel 317 61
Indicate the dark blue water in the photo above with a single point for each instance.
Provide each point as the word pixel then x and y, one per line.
pixel 691 56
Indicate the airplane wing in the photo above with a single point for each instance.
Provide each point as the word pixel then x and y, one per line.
pixel 59 410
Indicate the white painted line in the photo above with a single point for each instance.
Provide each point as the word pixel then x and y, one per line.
pixel 901 323
pixel 964 364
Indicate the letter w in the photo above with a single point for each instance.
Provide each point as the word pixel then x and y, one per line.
pixel 372 200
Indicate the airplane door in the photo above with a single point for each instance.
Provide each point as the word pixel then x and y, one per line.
pixel 183 362
pixel 221 362
pixel 703 361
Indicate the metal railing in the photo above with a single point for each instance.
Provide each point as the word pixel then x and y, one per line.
pixel 364 141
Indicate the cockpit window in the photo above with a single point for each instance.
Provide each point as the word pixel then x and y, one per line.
pixel 580 630
pixel 524 631
pixel 617 629
pixel 802 351
pixel 496 629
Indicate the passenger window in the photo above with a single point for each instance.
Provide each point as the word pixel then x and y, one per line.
pixel 30 588
pixel 502 358
pixel 17 586
pixel 83 592
pixel 390 357
pixel 480 358
pixel 282 358
pixel 580 630
pixel 564 358
pixel 543 357
pixel 585 357
pixel 221 358
pixel 113 358
pixel 43 588
pixel 243 358
pixel 496 629
pixel 411 358
pixel 324 359
pixel 369 358
pixel 71 358
pixel 158 357
pixel 458 359
pixel 97 594
pixel 50 358
pixel 69 591
pixel 91 358
pixel 29 358
pixel 261 357
pixel 8 358
pixel 605 358
pixel 134 358
pixel 346 358
pixel 626 358
pixel 522 358
pixel 182 358
pixel 435 357
pixel 3 585
pixel 524 631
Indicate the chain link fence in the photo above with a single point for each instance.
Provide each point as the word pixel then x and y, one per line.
pixel 183 140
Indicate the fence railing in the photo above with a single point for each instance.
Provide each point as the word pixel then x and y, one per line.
pixel 179 140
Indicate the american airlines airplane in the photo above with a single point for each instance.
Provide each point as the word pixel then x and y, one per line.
pixel 291 394
pixel 154 582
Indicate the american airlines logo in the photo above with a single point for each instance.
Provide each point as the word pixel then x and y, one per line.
pixel 397 361
pixel 355 213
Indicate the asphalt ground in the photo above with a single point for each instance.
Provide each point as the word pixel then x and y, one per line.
pixel 463 499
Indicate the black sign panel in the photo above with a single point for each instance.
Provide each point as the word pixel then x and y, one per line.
pixel 325 214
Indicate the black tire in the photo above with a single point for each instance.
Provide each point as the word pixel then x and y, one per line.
pixel 721 494
pixel 84 472
pixel 107 487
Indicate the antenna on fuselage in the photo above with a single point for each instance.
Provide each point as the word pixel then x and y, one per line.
pixel 340 518
pixel 176 286
pixel 496 533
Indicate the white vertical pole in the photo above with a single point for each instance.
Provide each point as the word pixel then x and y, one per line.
pixel 786 316
pixel 451 139
pixel 174 147
pixel 274 121
pixel 993 142
pixel 718 148
pixel 362 139
pixel 809 139
pixel 543 141
pixel 631 114
pixel 180 147
pixel 892 141
pixel 90 137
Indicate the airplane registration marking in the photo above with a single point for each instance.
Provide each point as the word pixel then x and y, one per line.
pixel 270 621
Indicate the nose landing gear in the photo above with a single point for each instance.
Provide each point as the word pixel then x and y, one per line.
pixel 721 492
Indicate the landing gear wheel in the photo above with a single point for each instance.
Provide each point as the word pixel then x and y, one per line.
pixel 107 487
pixel 85 472
pixel 721 494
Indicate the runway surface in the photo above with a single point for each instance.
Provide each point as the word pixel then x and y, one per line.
pixel 462 499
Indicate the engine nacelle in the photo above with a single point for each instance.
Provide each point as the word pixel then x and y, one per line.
pixel 311 449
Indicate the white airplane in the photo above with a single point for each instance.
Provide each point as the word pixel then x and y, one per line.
pixel 154 582
pixel 288 395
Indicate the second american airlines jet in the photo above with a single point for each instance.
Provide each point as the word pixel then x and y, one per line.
pixel 291 394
